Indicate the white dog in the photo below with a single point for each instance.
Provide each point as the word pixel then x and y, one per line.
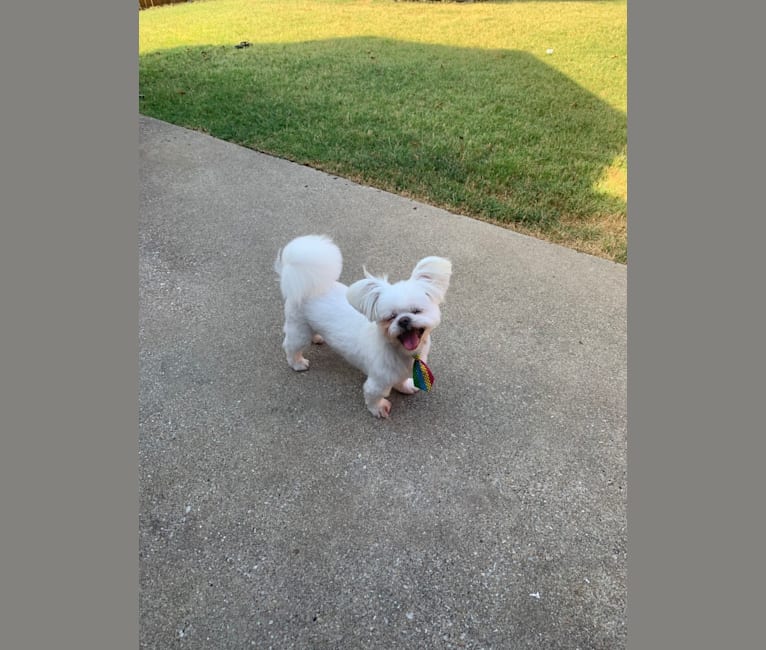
pixel 383 329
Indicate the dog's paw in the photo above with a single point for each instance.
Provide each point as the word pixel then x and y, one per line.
pixel 300 364
pixel 382 409
pixel 407 387
pixel 317 339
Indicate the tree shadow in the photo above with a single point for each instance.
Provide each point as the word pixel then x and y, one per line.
pixel 498 134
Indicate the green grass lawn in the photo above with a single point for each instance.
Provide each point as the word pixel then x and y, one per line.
pixel 456 104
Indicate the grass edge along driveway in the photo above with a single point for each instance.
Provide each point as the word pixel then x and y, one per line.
pixel 509 112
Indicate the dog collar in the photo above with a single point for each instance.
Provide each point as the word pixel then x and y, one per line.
pixel 422 376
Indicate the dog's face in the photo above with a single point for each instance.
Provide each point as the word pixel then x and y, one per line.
pixel 406 311
pixel 406 314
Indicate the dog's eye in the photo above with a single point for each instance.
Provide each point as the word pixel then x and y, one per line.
pixel 416 311
pixel 392 316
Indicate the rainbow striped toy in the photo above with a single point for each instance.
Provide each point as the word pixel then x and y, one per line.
pixel 422 376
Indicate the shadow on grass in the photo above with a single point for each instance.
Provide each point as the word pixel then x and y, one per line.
pixel 496 134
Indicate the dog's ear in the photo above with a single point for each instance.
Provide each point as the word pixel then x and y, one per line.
pixel 364 294
pixel 435 273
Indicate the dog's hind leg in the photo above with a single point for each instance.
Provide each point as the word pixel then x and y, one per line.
pixel 298 335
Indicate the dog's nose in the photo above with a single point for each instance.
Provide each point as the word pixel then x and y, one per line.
pixel 405 322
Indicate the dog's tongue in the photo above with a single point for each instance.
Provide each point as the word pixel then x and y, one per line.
pixel 410 340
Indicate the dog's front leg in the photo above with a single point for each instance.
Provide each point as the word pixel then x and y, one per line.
pixel 406 386
pixel 425 349
pixel 375 397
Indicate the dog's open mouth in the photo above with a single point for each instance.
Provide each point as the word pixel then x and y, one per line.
pixel 411 338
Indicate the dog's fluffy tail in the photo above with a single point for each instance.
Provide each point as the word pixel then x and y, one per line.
pixel 308 266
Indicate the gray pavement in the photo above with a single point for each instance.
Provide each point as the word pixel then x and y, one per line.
pixel 276 512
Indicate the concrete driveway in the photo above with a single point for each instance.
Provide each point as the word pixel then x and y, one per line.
pixel 276 512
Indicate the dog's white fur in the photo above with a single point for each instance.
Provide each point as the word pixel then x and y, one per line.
pixel 376 326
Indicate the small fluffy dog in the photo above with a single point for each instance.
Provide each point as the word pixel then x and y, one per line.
pixel 381 328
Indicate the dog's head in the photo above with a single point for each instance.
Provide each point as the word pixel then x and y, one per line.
pixel 406 311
